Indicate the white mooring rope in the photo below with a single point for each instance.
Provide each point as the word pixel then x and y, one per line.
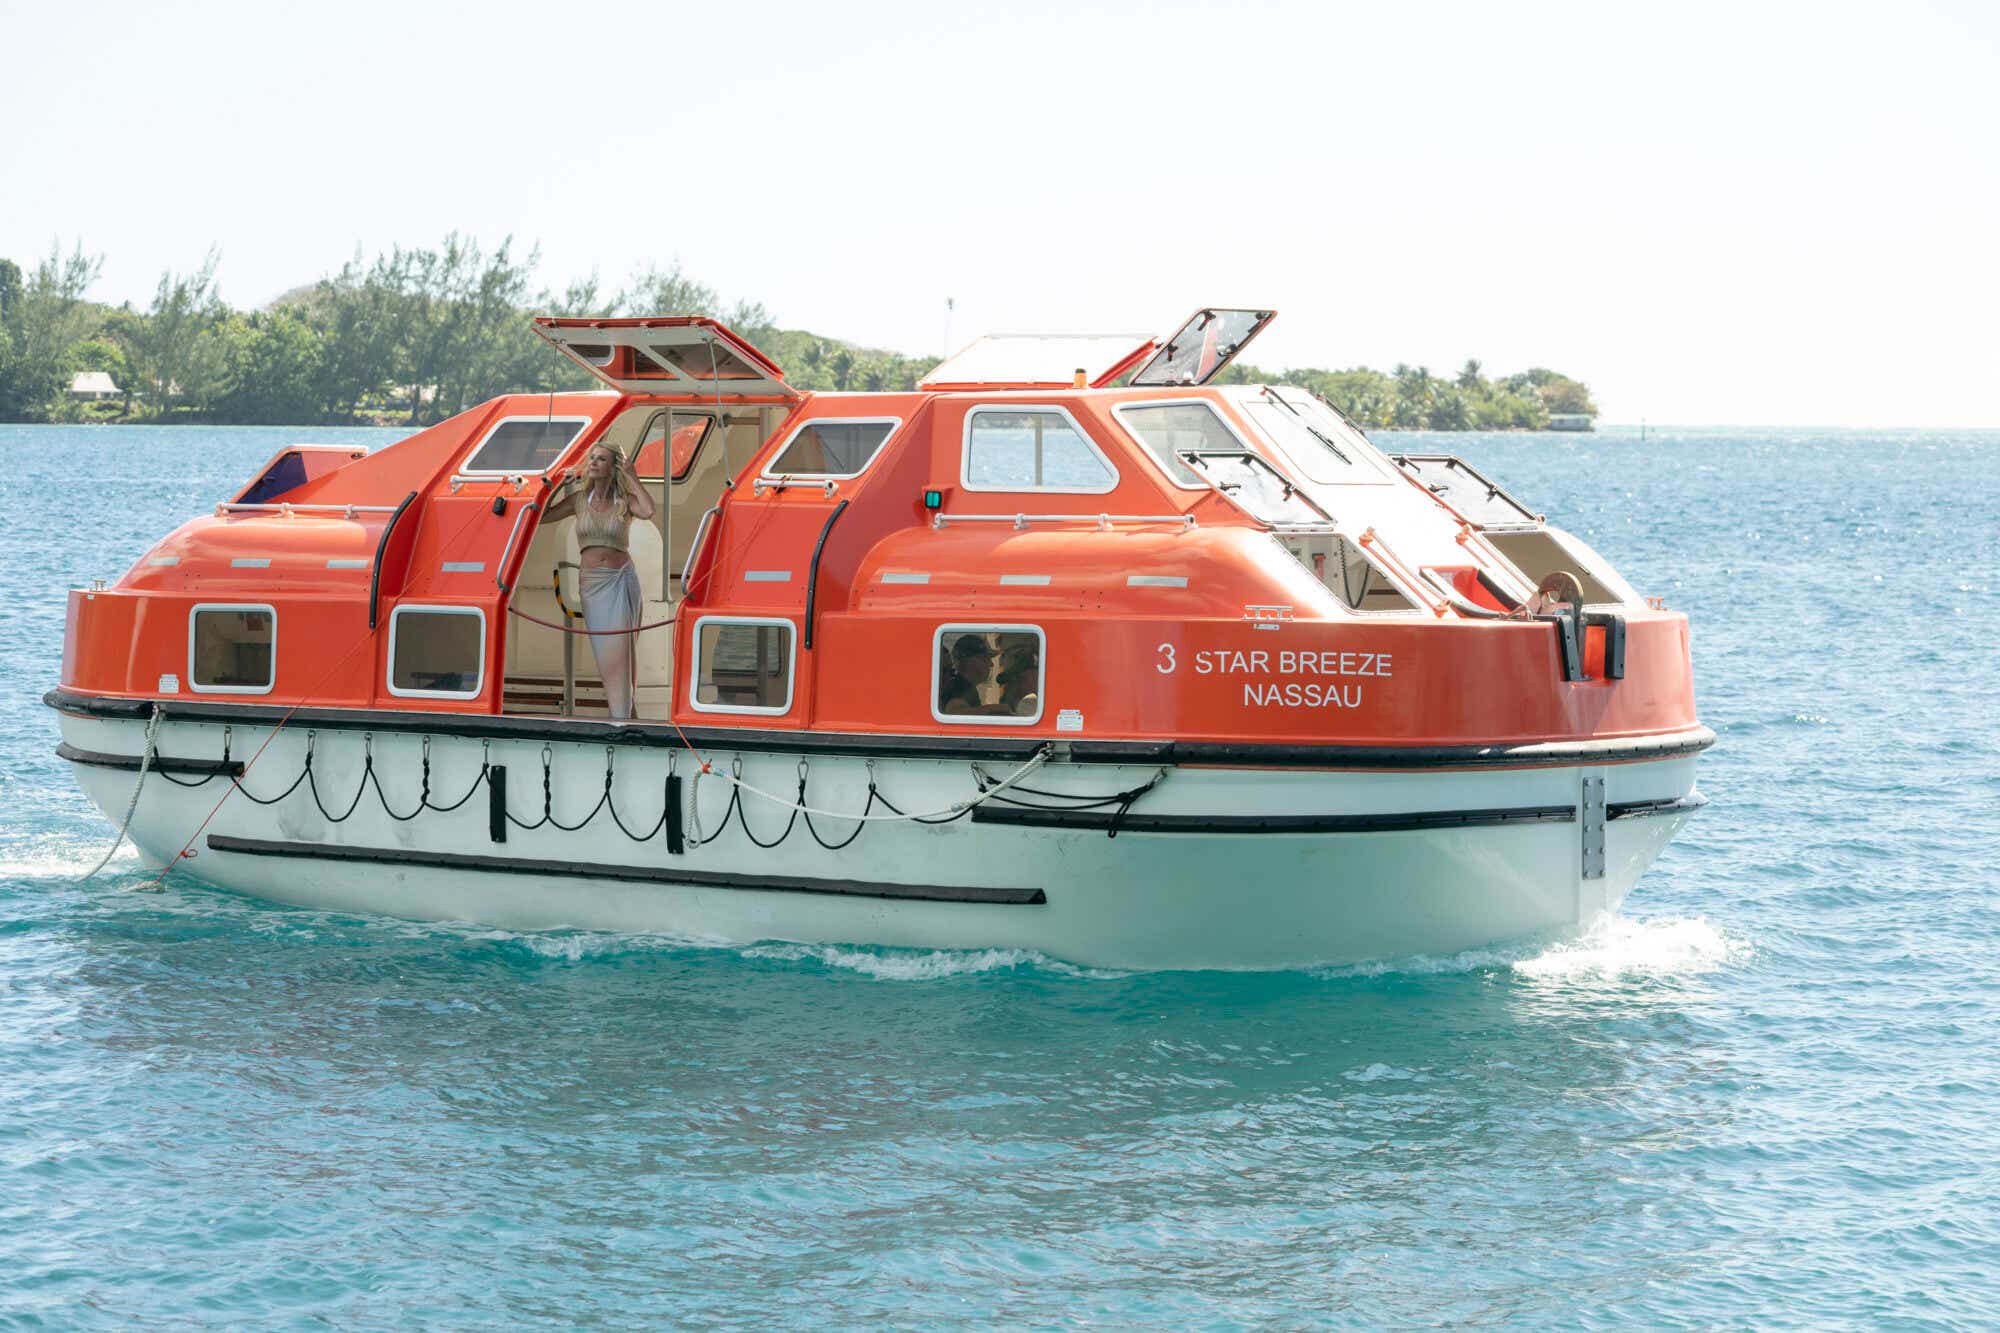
pixel 145 763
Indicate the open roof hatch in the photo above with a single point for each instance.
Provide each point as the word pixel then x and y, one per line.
pixel 679 354
pixel 1204 345
pixel 1481 502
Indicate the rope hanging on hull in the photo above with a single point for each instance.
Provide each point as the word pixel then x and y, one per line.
pixel 799 806
pixel 131 808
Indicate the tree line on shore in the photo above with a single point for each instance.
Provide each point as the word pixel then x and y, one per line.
pixel 415 335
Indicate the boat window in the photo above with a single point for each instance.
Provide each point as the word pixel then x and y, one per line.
pixel 525 444
pixel 688 431
pixel 1314 439
pixel 1031 449
pixel 1168 428
pixel 742 665
pixel 1255 485
pixel 437 652
pixel 232 649
pixel 836 449
pixel 987 674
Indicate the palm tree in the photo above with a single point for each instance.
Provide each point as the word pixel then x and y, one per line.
pixel 812 360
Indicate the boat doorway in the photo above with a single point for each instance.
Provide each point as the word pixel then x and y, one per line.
pixel 684 454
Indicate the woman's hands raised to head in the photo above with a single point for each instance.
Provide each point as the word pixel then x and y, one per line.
pixel 641 499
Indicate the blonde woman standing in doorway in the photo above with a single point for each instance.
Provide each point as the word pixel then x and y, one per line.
pixel 604 502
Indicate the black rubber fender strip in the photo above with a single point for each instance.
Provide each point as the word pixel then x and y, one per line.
pixel 496 802
pixel 1220 754
pixel 490 726
pixel 1613 623
pixel 1398 822
pixel 676 838
pixel 1569 642
pixel 232 768
pixel 992 895
pixel 1666 805
pixel 1545 754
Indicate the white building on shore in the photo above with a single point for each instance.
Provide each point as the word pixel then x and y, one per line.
pixel 95 385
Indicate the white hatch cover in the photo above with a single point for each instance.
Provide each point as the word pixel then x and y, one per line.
pixel 1039 360
pixel 678 354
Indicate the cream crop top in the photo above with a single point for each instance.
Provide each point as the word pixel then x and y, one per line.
pixel 596 528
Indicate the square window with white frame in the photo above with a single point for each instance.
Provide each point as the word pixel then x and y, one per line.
pixel 437 652
pixel 1031 449
pixel 742 665
pixel 232 649
pixel 524 444
pixel 987 674
pixel 835 449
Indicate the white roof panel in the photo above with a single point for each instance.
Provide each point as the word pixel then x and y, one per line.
pixel 1037 358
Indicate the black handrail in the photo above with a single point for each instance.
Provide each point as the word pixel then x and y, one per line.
pixel 812 572
pixel 375 574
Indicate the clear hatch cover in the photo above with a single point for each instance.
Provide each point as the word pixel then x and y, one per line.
pixel 1204 345
pixel 1260 489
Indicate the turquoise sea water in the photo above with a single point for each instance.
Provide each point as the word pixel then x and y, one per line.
pixel 1765 1095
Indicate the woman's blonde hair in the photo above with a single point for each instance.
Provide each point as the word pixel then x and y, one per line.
pixel 621 488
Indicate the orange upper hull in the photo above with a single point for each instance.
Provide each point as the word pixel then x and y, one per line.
pixel 1157 625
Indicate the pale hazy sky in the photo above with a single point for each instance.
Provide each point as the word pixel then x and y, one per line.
pixel 1745 213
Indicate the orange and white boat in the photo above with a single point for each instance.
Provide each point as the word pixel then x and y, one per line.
pixel 1071 649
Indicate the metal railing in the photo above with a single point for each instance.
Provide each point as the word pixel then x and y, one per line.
pixel 1102 522
pixel 518 480
pixel 694 547
pixel 1401 572
pixel 500 573
pixel 287 510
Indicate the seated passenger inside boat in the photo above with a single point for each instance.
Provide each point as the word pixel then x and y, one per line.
pixel 1020 675
pixel 960 690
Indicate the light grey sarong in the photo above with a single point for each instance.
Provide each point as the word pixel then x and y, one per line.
pixel 612 600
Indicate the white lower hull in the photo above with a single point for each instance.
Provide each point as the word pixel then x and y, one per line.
pixel 1141 899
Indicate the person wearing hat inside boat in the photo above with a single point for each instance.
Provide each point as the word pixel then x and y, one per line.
pixel 604 501
pixel 971 664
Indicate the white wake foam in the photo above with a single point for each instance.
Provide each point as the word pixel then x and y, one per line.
pixel 1617 946
pixel 885 965
pixel 1611 947
pixel 61 858
pixel 912 965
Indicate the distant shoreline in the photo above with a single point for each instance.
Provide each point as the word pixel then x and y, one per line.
pixel 415 336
